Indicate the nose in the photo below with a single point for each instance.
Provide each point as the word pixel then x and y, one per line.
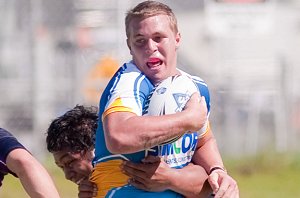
pixel 151 46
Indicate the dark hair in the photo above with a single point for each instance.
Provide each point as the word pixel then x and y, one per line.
pixel 74 131
pixel 147 9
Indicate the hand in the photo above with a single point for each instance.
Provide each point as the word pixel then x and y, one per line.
pixel 223 185
pixel 87 189
pixel 196 110
pixel 151 175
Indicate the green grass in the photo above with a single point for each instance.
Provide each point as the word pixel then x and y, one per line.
pixel 264 175
pixel 267 175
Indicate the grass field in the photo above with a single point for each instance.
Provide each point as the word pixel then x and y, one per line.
pixel 267 175
pixel 263 176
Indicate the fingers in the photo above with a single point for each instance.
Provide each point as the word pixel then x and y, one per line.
pixel 228 189
pixel 203 102
pixel 138 178
pixel 223 188
pixel 149 164
pixel 150 175
pixel 223 185
pixel 196 111
pixel 87 189
pixel 127 165
pixel 213 181
pixel 196 95
pixel 151 159
pixel 231 192
pixel 87 194
pixel 137 172
pixel 131 172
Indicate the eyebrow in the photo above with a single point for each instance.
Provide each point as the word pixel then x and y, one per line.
pixel 61 158
pixel 155 33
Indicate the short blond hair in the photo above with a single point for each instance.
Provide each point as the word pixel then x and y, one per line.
pixel 148 9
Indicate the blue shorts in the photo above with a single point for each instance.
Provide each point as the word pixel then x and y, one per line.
pixel 129 191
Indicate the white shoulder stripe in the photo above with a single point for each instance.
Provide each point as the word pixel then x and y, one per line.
pixel 138 91
pixel 196 79
pixel 111 156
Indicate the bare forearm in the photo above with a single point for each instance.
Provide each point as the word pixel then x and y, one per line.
pixel 126 132
pixel 208 155
pixel 158 129
pixel 194 184
pixel 38 183
pixel 33 176
pixel 143 132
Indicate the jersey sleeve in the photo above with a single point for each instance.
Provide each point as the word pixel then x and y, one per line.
pixel 128 93
pixel 7 143
pixel 203 89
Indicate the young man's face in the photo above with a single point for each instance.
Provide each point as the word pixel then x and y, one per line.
pixel 153 46
pixel 76 166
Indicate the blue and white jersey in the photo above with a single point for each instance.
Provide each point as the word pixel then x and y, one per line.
pixel 128 91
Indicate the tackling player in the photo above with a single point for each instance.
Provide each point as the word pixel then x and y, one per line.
pixel 70 138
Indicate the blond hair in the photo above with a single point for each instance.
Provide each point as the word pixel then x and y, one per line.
pixel 148 9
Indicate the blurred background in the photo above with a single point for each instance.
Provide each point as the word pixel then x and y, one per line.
pixel 59 53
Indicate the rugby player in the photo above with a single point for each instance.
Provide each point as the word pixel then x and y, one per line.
pixel 124 135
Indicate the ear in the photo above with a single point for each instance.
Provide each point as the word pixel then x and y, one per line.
pixel 128 45
pixel 177 40
pixel 88 154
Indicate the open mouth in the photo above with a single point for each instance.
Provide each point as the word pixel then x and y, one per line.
pixel 154 62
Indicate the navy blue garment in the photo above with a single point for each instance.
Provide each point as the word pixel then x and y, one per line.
pixel 7 143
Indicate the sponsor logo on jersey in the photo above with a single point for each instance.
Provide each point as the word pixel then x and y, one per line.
pixel 178 153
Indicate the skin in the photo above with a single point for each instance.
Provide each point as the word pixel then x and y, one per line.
pixel 223 185
pixel 153 47
pixel 77 168
pixel 33 176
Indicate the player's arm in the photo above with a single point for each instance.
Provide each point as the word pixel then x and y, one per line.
pixel 155 175
pixel 33 176
pixel 207 153
pixel 208 156
pixel 194 184
pixel 127 133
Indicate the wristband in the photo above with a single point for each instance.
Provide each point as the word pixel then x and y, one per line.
pixel 217 168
